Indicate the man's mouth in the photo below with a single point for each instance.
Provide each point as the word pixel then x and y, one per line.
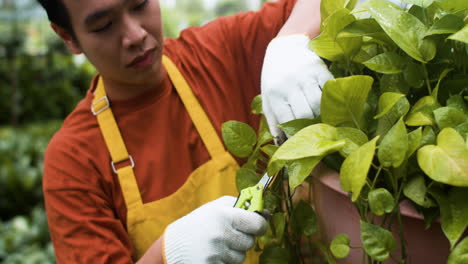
pixel 142 61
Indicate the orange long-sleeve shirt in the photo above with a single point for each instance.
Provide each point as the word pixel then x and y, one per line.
pixel 222 62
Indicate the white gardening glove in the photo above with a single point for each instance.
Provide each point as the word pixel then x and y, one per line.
pixel 292 81
pixel 213 233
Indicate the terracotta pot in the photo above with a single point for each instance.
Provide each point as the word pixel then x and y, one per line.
pixel 337 215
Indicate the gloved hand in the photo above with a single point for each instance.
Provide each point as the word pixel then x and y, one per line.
pixel 292 81
pixel 213 233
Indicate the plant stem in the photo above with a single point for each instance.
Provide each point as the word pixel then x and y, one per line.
pixel 426 77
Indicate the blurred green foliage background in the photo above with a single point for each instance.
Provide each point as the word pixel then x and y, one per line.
pixel 40 83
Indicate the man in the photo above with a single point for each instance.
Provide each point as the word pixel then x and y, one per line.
pixel 137 169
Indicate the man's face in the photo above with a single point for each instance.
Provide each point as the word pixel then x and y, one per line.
pixel 121 38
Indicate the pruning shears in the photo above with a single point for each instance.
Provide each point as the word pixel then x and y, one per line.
pixel 251 198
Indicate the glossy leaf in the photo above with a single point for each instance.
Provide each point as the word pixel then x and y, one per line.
pixel 449 117
pixel 275 254
pixel 452 5
pixel 343 100
pixel 381 201
pixel 414 141
pixel 328 7
pixel 239 138
pixel 428 136
pixel 353 173
pixel 388 120
pixel 453 212
pixel 387 101
pixel 246 178
pixel 446 162
pixel 414 74
pixel 354 139
pixel 459 254
pixel 416 190
pixel 378 242
pixel 279 223
pixel 404 29
pixel 456 101
pixel 290 128
pixel 387 62
pixel 299 170
pixel 340 246
pixel 421 3
pixel 461 35
pixel 446 25
pixel 312 141
pixel 394 146
pixel 421 113
pixel 326 44
pixel 256 105
pixel 304 219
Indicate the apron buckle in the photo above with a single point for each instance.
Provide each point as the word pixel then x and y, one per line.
pixel 129 158
pixel 102 108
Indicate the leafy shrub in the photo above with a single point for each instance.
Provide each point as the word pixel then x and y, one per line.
pixel 24 234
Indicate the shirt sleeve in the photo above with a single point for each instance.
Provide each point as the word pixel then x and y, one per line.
pixel 83 226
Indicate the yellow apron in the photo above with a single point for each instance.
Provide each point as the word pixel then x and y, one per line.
pixel 146 222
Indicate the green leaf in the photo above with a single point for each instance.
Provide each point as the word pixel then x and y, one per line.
pixel 459 254
pixel 389 119
pixel 279 223
pixel 404 29
pixel 239 138
pixel 245 178
pixel 453 212
pixel 340 246
pixel 414 74
pixel 414 141
pixel 353 173
pixel 447 162
pixel 461 35
pixel 300 169
pixel 393 83
pixel 446 25
pixel 394 146
pixel 256 105
pixel 378 242
pixel 290 128
pixel 416 190
pixel 304 219
pixel 456 101
pixel 269 149
pixel 354 139
pixel 462 129
pixel 275 254
pixel 381 201
pixel 387 62
pixel 428 136
pixel 421 113
pixel 449 117
pixel 328 7
pixel 326 45
pixel 312 141
pixel 343 100
pixel 386 102
pixel 421 3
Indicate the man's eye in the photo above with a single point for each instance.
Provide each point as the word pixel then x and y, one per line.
pixel 141 5
pixel 103 28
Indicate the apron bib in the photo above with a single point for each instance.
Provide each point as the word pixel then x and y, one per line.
pixel 146 221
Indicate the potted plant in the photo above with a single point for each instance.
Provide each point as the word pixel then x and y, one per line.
pixel 394 124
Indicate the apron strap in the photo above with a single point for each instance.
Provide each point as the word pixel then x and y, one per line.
pixel 197 114
pixel 116 146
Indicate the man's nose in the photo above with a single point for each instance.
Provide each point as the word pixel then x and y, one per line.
pixel 133 34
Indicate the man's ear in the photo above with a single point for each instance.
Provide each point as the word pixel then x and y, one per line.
pixel 67 38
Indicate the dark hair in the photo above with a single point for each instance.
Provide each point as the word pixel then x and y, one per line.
pixel 58 14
